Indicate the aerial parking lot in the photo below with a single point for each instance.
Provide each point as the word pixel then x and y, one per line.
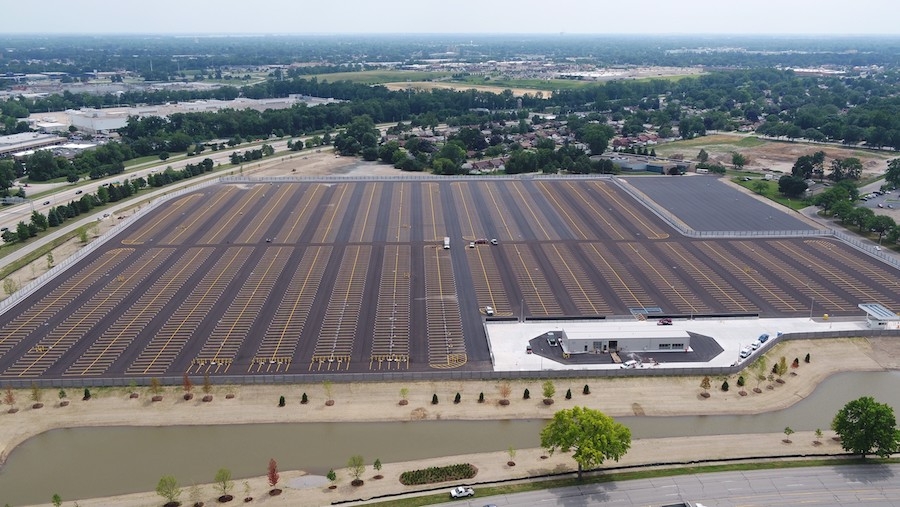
pixel 255 277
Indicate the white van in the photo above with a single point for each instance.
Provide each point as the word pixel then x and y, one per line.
pixel 631 363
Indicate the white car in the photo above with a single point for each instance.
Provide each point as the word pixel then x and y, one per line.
pixel 461 492
pixel 746 351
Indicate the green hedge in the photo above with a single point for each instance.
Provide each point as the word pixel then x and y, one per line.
pixel 438 474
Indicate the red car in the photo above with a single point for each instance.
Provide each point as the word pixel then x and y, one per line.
pixel 664 322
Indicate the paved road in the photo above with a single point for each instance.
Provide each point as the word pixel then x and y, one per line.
pixel 872 485
pixel 11 215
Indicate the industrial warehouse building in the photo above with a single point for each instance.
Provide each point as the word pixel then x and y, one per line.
pixel 624 339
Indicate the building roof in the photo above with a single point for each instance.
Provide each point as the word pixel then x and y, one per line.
pixel 624 333
pixel 879 312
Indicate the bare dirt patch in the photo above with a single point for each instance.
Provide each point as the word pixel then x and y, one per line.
pixel 768 155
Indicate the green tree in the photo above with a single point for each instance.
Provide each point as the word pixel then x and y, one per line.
pixel 331 476
pixel 167 487
pixel 704 384
pixel 892 175
pixel 738 160
pixel 357 466
pixel 549 389
pixel 592 435
pixel 760 186
pixel 866 426
pixel 787 434
pixel 791 186
pixel 703 156
pixel 881 224
pixel 10 286
pixel 56 500
pixel 223 480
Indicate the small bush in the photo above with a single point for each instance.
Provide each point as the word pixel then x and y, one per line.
pixel 586 390
pixel 87 394
pixel 457 399
pixel 568 394
pixel 740 381
pixel 480 397
pixel 434 400
pixel 796 363
pixel 281 401
pixel 438 474
pixel 806 359
pixel 725 385
pixel 304 399
pixel 527 394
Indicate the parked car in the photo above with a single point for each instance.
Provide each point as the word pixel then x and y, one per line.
pixel 552 341
pixel 471 244
pixel 763 337
pixel 494 241
pixel 755 345
pixel 746 351
pixel 631 363
pixel 528 349
pixel 461 492
pixel 664 322
pixel 489 311
pixel 78 192
pixel 46 203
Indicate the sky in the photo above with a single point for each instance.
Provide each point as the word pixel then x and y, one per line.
pixel 856 17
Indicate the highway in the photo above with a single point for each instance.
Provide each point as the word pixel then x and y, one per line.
pixel 872 485
pixel 12 215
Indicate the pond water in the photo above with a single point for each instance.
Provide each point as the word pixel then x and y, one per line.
pixel 94 462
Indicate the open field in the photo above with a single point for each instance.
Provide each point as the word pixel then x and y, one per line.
pixel 770 155
pixel 454 85
pixel 379 76
pixel 256 278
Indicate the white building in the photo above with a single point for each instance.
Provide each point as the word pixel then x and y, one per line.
pixel 97 121
pixel 623 339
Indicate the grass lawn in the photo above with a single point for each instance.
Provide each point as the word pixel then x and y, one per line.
pixel 379 76
pixel 770 191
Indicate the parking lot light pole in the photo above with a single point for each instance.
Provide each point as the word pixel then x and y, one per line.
pixel 812 301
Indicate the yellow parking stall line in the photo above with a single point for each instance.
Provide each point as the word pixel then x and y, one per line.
pixel 722 293
pixel 193 310
pixel 197 217
pixel 570 220
pixel 89 317
pixel 628 209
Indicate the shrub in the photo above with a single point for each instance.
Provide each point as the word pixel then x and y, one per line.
pixel 87 394
pixel 796 363
pixel 480 397
pixel 586 390
pixel 725 385
pixel 457 399
pixel 568 394
pixel 806 359
pixel 740 381
pixel 527 394
pixel 438 474
pixel 281 401
pixel 304 399
pixel 434 399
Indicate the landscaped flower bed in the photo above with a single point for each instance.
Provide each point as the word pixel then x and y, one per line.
pixel 438 474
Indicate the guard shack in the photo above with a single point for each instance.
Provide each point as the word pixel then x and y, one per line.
pixel 879 317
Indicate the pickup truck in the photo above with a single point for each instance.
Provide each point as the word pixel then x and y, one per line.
pixel 461 492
